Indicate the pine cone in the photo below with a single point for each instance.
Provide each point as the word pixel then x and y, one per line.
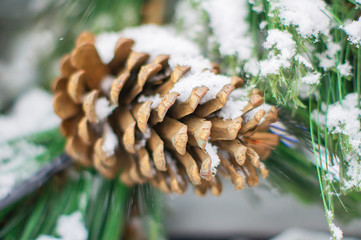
pixel 130 118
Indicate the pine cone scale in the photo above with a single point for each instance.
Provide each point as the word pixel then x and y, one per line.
pixel 174 134
pixel 156 146
pixel 85 57
pixel 199 130
pixel 116 88
pixel 121 52
pixel 141 113
pixel 225 129
pixel 66 67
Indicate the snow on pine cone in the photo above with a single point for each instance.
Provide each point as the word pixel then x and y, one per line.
pixel 142 119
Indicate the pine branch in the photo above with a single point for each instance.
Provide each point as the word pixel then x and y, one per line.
pixel 32 184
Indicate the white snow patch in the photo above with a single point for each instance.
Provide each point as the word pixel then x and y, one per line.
pixel 103 108
pixel 304 61
pixel 106 83
pixel 282 42
pixel 105 45
pixel 152 39
pixel 190 20
pixel 311 78
pixel 353 31
pixel 212 152
pixel 328 58
pixel 229 25
pixel 345 69
pixel 346 120
pixel 336 232
pixel 353 171
pixel 237 100
pixel 214 82
pixel 263 25
pixel 258 8
pixel 252 66
pixel 154 98
pixel 332 48
pixel 197 63
pixel 69 227
pixel 325 62
pixel 110 142
pixel 156 40
pixel 33 112
pixel 310 17
pixel 148 133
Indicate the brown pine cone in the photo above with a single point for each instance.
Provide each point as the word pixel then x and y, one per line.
pixel 145 121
